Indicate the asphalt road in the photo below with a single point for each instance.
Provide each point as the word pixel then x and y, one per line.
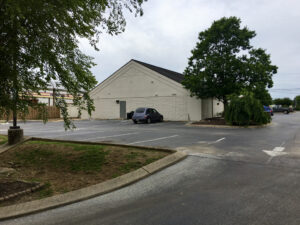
pixel 231 176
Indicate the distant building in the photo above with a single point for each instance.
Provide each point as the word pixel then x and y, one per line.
pixel 138 84
pixel 46 96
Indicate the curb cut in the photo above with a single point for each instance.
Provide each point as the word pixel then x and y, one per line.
pixel 35 206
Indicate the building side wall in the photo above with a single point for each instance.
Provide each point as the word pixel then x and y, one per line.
pixel 218 107
pixel 171 107
pixel 141 87
pixel 211 108
pixel 194 108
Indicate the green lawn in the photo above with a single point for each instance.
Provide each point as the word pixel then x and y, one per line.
pixel 3 139
pixel 66 166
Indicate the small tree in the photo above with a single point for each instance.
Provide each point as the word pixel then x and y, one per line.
pixel 297 102
pixel 283 101
pixel 39 44
pixel 224 63
pixel 246 110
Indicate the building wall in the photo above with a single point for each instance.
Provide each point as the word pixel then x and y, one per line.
pixel 142 87
pixel 211 108
pixel 72 110
pixel 218 107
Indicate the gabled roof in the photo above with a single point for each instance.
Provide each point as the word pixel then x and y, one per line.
pixel 178 77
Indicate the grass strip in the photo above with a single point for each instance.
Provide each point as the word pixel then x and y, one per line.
pixel 3 139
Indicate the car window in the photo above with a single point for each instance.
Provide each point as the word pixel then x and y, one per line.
pixel 154 111
pixel 140 110
pixel 148 111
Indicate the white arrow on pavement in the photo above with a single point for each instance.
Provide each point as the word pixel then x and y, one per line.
pixel 277 151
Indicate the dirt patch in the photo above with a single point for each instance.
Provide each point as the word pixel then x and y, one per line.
pixel 66 167
pixel 212 121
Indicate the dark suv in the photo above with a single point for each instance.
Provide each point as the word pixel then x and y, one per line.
pixel 279 108
pixel 147 115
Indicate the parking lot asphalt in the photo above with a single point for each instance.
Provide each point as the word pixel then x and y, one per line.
pixel 232 176
pixel 232 143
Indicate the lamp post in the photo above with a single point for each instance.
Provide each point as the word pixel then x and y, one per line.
pixel 15 134
pixel 15 111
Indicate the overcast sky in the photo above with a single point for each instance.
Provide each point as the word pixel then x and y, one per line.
pixel 168 31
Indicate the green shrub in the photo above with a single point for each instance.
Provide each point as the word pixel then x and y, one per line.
pixel 246 110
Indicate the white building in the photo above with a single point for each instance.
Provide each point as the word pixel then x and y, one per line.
pixel 138 84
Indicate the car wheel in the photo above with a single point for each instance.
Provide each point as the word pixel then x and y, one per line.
pixel 148 120
pixel 161 119
pixel 285 112
pixel 134 121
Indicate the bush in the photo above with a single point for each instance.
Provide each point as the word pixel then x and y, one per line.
pixel 297 102
pixel 246 110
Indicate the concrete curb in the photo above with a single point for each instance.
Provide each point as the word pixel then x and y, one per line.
pixel 91 191
pixel 6 147
pixel 102 143
pixel 228 126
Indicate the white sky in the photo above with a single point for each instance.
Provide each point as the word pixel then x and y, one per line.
pixel 168 31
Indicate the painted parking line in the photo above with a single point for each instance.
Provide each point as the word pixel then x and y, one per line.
pixel 156 139
pixel 118 135
pixel 221 139
pixel 42 131
pixel 211 142
pixel 77 133
pixel 64 132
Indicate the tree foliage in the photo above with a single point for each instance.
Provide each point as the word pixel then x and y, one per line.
pixel 224 63
pixel 283 101
pixel 246 110
pixel 39 44
pixel 263 95
pixel 297 102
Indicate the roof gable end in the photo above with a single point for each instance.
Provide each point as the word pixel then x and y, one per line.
pixel 178 77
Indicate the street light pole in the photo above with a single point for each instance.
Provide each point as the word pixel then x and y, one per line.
pixel 15 134
pixel 15 111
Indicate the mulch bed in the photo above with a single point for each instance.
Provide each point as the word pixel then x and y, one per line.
pixel 212 121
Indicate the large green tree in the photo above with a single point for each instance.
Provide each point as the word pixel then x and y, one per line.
pixel 224 62
pixel 39 44
pixel 262 94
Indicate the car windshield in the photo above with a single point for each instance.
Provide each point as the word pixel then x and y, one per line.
pixel 140 110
